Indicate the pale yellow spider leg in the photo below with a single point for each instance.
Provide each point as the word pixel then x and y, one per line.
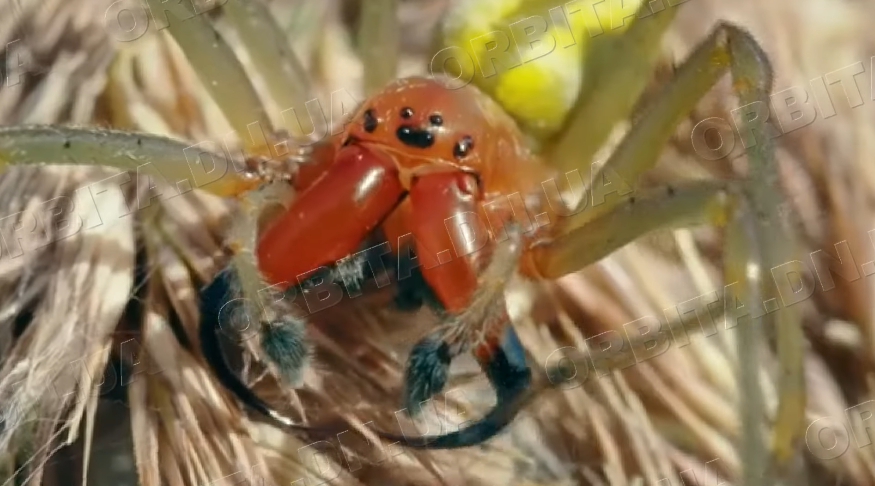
pixel 217 67
pixel 685 204
pixel 290 87
pixel 378 42
pixel 174 160
pixel 752 78
pixel 616 70
pixel 229 85
pixel 640 148
pixel 693 203
pixel 740 254
pixel 767 243
pixel 272 56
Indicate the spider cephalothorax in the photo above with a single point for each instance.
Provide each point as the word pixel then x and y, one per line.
pixel 396 164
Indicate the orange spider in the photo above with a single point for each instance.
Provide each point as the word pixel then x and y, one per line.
pixel 420 162
pixel 441 175
pixel 444 177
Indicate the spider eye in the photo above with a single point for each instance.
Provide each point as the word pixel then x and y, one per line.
pixel 406 112
pixel 370 121
pixel 463 147
pixel 436 120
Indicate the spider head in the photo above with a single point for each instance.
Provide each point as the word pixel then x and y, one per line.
pixel 425 126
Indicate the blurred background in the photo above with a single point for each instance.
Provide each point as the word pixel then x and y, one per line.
pixel 678 418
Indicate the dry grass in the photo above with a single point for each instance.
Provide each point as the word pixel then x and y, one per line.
pixel 76 300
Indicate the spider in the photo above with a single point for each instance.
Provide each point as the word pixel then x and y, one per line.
pixel 418 156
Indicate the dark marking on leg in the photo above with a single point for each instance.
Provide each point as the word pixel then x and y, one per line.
pixel 511 379
pixel 285 346
pixel 507 370
pixel 427 372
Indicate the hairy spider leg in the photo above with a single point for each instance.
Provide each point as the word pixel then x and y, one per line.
pixel 473 317
pixel 749 209
pixel 213 297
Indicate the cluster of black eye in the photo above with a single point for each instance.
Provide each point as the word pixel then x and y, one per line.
pixel 462 148
pixel 370 121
